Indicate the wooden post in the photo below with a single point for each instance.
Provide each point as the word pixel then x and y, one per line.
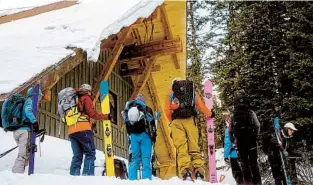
pixel 109 65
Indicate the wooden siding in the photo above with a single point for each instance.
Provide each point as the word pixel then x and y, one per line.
pixel 86 72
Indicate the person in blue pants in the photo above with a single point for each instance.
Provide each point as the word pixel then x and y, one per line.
pixel 137 117
pixel 230 153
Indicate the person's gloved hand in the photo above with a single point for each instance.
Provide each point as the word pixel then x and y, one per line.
pixel 35 127
pixel 6 130
pixel 285 153
pixel 227 161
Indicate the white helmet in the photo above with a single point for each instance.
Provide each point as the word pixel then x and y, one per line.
pixel 290 126
pixel 134 115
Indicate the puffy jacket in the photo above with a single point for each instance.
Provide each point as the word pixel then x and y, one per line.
pixel 287 144
pixel 229 151
pixel 28 116
pixel 87 109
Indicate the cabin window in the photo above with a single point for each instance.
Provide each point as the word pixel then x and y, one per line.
pixel 113 107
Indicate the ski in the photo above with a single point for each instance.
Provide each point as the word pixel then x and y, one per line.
pixel 33 147
pixel 208 92
pixel 107 129
pixel 282 158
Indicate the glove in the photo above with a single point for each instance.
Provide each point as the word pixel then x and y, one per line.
pixel 213 113
pixel 227 161
pixel 6 130
pixel 285 153
pixel 35 127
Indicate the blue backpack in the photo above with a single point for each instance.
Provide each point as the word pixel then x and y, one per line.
pixel 11 113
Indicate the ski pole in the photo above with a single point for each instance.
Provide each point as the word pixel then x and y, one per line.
pixel 40 132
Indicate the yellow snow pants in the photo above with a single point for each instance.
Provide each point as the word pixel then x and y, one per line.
pixel 185 137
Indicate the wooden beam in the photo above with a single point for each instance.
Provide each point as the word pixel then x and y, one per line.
pixel 168 32
pixel 163 123
pixel 140 71
pixel 109 65
pixel 140 84
pixel 156 48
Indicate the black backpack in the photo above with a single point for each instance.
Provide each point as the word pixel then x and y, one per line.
pixel 242 122
pixel 184 91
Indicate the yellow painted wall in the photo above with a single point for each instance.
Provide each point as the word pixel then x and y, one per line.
pixel 164 148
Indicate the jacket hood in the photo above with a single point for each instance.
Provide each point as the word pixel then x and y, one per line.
pixel 30 92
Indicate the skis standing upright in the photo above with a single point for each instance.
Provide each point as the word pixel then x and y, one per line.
pixel 107 129
pixel 208 91
pixel 33 147
pixel 282 158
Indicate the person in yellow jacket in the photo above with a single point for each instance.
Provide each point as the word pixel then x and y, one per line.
pixel 185 134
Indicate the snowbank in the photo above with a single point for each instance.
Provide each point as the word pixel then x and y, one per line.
pixel 30 45
pixel 53 167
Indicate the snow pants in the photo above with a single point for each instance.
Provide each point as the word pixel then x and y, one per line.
pixel 21 139
pixel 277 171
pixel 185 137
pixel 83 144
pixel 141 147
pixel 247 149
pixel 236 170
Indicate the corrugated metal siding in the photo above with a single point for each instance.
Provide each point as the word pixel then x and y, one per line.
pixel 87 72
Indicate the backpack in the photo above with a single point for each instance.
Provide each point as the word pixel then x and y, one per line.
pixel 184 92
pixel 145 121
pixel 12 110
pixel 242 122
pixel 68 106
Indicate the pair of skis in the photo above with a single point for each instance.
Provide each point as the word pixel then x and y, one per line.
pixel 33 146
pixel 208 97
pixel 107 129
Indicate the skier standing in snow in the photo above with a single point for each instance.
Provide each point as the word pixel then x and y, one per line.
pixel 81 135
pixel 140 126
pixel 244 130
pixel 21 134
pixel 181 113
pixel 230 152
pixel 288 149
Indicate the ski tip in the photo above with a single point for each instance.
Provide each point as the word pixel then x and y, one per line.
pixel 104 89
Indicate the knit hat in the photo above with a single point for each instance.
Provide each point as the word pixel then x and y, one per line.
pixel 140 97
pixel 85 87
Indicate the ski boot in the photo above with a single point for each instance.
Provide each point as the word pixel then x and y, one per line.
pixel 187 175
pixel 199 174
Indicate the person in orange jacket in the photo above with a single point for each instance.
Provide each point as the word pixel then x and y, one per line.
pixel 81 135
pixel 185 134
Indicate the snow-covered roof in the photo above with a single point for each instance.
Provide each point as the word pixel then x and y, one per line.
pixel 14 6
pixel 28 46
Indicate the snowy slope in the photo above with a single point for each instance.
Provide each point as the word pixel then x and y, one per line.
pixel 14 6
pixel 30 45
pixel 53 167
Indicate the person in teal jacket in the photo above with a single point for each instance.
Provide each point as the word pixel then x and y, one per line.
pixel 21 134
pixel 230 153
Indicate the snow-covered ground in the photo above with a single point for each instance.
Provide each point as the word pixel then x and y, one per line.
pixel 52 168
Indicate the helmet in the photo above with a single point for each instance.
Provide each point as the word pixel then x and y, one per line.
pixel 290 126
pixel 133 114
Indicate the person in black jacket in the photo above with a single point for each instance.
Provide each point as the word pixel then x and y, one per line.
pixel 244 129
pixel 287 147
